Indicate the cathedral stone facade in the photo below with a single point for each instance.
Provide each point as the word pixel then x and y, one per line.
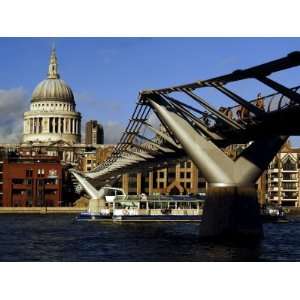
pixel 52 116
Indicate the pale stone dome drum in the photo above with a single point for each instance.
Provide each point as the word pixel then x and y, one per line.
pixel 54 90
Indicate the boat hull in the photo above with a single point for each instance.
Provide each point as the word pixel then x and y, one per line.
pixel 138 218
pixel 158 218
pixel 94 217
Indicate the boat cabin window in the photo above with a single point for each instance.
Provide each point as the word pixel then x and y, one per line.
pixel 172 205
pixel 110 192
pixel 143 205
pixel 164 204
pixel 151 205
pixel 194 205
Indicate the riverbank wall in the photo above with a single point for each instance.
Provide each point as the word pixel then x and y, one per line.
pixel 293 211
pixel 41 210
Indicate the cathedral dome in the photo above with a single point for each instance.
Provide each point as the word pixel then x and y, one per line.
pixel 52 116
pixel 53 88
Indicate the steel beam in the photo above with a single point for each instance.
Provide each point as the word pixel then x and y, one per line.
pixel 220 115
pixel 294 96
pixel 213 163
pixel 252 108
pixel 167 138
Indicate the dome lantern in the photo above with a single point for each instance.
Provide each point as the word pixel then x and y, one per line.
pixel 53 88
pixel 53 66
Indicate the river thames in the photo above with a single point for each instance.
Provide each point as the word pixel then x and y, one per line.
pixel 61 238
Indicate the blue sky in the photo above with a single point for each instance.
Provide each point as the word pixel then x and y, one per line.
pixel 106 74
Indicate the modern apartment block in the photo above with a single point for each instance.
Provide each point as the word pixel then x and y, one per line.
pixel 94 133
pixel 282 178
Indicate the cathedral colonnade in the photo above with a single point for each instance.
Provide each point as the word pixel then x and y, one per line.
pixel 64 125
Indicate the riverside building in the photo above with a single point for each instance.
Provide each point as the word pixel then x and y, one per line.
pixel 174 179
pixel 2 157
pixel 94 133
pixel 31 181
pixel 281 180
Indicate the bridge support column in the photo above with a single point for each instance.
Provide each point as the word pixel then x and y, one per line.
pixel 231 208
pixel 231 212
pixel 95 205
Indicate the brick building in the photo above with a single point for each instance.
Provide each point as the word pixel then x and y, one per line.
pixel 177 178
pixel 2 157
pixel 32 181
pixel 93 156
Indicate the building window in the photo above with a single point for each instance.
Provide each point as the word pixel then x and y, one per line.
pixel 289 165
pixel 181 174
pixel 161 174
pixel 41 172
pixel 188 164
pixel 201 184
pixel 161 185
pixel 17 181
pixel 29 173
pixel 188 185
pixel 188 175
pixel 182 164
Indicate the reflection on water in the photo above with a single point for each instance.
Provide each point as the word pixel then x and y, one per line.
pixel 60 238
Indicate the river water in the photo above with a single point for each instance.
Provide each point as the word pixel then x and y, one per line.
pixel 60 238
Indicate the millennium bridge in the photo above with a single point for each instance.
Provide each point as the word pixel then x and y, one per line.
pixel 176 122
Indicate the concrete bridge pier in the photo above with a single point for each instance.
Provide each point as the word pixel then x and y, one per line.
pixel 231 208
pixel 231 212
pixel 97 200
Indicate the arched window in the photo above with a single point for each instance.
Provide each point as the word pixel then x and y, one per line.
pixel 289 164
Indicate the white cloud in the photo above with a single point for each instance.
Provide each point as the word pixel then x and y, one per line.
pixel 113 132
pixel 13 103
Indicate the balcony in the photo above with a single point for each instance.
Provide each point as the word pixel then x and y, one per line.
pixel 290 177
pixel 273 188
pixel 289 180
pixel 21 186
pixel 289 186
pixel 289 196
pixel 19 197
pixel 289 199
pixel 51 186
pixel 276 170
pixel 276 198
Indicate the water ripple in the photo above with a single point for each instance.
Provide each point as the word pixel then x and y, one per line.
pixel 59 238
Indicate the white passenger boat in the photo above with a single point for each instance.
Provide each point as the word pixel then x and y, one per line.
pixel 140 208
